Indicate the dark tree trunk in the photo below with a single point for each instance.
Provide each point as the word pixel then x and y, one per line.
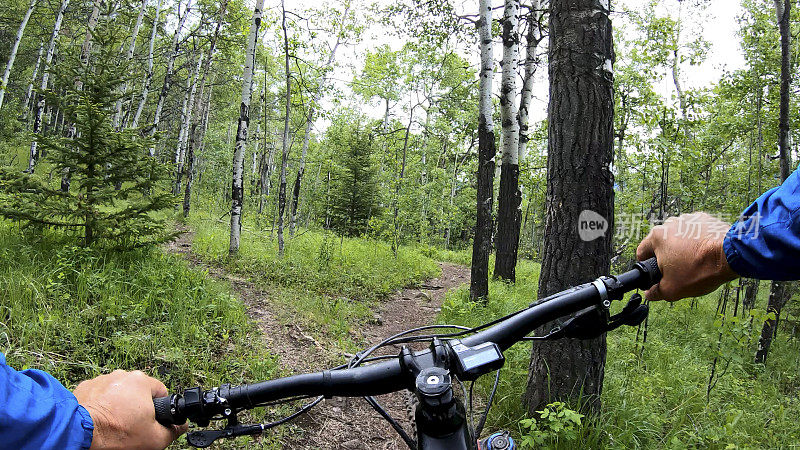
pixel 750 293
pixel 190 166
pixel 580 139
pixel 786 79
pixel 779 294
pixel 508 223
pixel 482 243
pixel 509 198
pixel 296 196
pixel 779 290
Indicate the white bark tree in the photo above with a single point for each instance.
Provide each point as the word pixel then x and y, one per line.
pixel 14 48
pixel 285 152
pixel 326 69
pixel 173 54
pixel 186 115
pixel 237 194
pixel 533 38
pixel 37 118
pixel 509 141
pixel 482 244
pixel 128 57
pixel 509 214
pixel 200 118
pixel 148 79
pixel 29 92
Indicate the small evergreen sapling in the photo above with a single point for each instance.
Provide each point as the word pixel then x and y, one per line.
pixel 353 199
pixel 99 160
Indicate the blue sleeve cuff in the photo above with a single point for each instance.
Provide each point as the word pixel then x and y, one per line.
pixel 88 427
pixel 731 255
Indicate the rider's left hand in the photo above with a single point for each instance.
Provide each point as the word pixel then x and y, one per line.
pixel 121 406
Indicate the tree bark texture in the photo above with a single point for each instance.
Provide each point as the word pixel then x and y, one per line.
pixel 237 188
pixel 580 148
pixel 509 198
pixel 148 79
pixel 186 118
pixel 780 291
pixel 14 48
pixel 128 57
pixel 29 92
pixel 482 243
pixel 37 117
pixel 199 122
pixel 532 40
pixel 198 132
pixel 172 55
pixel 285 145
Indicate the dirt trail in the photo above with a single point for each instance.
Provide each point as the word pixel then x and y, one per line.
pixel 337 423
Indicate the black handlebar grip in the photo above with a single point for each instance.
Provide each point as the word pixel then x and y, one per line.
pixel 164 415
pixel 650 268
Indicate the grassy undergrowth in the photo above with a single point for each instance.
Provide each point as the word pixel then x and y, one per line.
pixel 77 313
pixel 328 284
pixel 656 398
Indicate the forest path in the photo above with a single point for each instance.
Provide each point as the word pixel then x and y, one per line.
pixel 338 423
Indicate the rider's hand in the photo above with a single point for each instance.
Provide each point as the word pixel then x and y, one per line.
pixel 121 406
pixel 690 256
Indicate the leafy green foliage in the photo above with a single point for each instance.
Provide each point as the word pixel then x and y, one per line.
pixel 78 312
pixel 114 194
pixel 353 199
pixel 555 425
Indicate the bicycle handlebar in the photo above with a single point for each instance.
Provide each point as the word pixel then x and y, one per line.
pixel 390 376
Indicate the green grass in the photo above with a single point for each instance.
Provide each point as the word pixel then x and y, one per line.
pixel 77 313
pixel 327 283
pixel 658 399
pixel 463 256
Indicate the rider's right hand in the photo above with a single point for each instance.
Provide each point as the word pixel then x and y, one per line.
pixel 690 256
pixel 121 406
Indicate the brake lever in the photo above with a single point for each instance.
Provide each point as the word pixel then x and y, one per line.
pixel 592 322
pixel 204 438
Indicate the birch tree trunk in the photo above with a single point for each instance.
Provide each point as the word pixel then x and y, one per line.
pixel 310 120
pixel 509 197
pixel 482 243
pixel 399 183
pixel 183 138
pixel 191 160
pixel 14 48
pixel 265 175
pixel 254 165
pixel 285 145
pixel 533 38
pixel 780 291
pixel 173 53
pixel 200 118
pixel 237 193
pixel 580 150
pixel 128 57
pixel 148 79
pixel 29 92
pixel 37 117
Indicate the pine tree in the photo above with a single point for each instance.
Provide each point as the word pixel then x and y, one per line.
pixel 353 200
pixel 98 159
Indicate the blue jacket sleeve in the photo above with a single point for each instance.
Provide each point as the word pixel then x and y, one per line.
pixel 37 412
pixel 765 242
